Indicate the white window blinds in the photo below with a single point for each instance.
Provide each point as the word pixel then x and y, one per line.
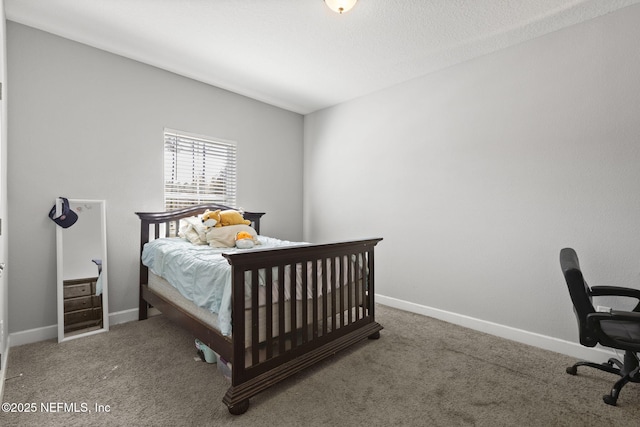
pixel 198 169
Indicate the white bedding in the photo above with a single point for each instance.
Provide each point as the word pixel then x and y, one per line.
pixel 163 288
pixel 200 273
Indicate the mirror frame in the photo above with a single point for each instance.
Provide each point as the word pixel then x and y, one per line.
pixel 101 206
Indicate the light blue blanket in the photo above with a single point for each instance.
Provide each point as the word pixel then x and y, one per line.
pixel 200 272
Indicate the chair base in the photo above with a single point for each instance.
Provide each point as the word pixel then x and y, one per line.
pixel 629 371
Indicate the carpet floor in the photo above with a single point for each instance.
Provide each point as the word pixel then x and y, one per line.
pixel 421 372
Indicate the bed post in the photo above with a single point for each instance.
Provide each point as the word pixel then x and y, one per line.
pixel 144 272
pixel 371 305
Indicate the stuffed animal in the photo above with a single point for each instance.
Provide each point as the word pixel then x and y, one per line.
pixel 211 218
pixel 231 217
pixel 244 240
pixel 220 218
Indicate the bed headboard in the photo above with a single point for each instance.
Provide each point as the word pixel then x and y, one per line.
pixel 165 224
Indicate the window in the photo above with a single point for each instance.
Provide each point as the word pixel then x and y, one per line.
pixel 198 169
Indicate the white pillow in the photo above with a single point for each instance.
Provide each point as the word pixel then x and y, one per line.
pixel 225 237
pixel 187 232
pixel 193 230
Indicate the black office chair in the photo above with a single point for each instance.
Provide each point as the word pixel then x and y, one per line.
pixel 615 329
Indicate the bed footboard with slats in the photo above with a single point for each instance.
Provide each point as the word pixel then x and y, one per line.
pixel 330 306
pixel 340 289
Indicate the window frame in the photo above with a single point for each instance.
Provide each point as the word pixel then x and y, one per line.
pixel 209 163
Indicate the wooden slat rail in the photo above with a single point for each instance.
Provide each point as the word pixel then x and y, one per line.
pixel 328 320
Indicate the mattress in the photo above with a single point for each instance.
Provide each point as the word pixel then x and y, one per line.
pixel 163 288
pixel 199 272
pixel 202 276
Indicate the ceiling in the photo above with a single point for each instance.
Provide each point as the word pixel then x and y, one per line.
pixel 298 54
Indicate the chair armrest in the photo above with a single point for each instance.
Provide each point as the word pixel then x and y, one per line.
pixel 632 316
pixel 614 315
pixel 620 291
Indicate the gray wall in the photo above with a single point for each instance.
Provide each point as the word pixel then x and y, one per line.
pixel 87 124
pixel 4 283
pixel 477 176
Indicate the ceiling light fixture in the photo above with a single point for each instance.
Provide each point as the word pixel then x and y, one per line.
pixel 340 6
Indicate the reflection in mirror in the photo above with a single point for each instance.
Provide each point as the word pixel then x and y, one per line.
pixel 82 272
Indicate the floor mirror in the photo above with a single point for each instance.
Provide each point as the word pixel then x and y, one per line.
pixel 82 271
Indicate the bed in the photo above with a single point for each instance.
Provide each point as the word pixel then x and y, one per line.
pixel 287 305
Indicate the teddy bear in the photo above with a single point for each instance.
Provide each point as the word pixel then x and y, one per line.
pixel 244 240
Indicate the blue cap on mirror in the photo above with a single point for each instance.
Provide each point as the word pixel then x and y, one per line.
pixel 62 214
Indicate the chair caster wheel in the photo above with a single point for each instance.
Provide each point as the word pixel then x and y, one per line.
pixel 609 400
pixel 572 370
pixel 239 408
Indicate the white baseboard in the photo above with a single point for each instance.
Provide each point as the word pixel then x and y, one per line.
pixel 51 332
pixel 33 335
pixel 537 340
pixel 123 316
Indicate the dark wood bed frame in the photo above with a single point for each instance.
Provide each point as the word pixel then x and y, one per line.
pixel 259 364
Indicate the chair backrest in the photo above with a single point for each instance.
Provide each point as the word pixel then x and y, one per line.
pixel 580 295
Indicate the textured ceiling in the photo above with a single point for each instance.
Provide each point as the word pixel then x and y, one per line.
pixel 297 54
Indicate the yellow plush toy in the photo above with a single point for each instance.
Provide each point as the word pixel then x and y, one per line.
pixel 231 217
pixel 220 218
pixel 244 240
pixel 211 218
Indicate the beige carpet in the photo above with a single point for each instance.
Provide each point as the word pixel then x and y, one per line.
pixel 421 372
